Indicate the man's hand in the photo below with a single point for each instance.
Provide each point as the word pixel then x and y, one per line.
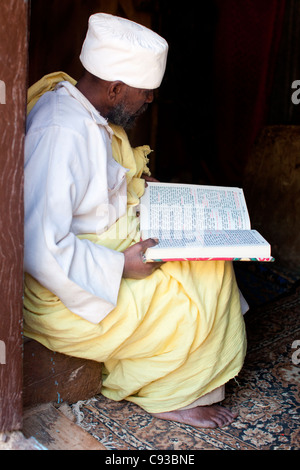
pixel 149 178
pixel 135 267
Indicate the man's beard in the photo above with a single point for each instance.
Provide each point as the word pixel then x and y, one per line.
pixel 120 117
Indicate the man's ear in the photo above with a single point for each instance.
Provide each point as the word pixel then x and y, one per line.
pixel 115 91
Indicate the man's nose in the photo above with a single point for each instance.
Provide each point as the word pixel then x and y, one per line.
pixel 150 96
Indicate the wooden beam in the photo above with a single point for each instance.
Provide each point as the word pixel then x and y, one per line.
pixel 15 440
pixel 13 76
pixel 58 378
pixel 55 431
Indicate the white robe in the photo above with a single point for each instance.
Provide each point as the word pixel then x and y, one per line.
pixel 73 186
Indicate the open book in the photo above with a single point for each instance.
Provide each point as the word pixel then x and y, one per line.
pixel 198 223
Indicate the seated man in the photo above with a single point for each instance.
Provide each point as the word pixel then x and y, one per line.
pixel 170 335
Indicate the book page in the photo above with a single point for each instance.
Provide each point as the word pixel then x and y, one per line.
pixel 215 238
pixel 214 245
pixel 176 211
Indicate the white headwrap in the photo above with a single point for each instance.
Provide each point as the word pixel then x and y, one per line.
pixel 119 49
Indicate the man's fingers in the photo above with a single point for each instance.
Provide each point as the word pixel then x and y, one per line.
pixel 145 244
pixel 135 265
pixel 148 243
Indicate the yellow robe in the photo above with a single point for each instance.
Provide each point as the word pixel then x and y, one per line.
pixel 173 337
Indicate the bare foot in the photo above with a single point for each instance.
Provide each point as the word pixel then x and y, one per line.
pixel 212 416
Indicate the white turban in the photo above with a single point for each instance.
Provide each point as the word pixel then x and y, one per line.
pixel 119 49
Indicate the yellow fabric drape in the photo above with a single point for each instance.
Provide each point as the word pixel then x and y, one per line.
pixel 173 337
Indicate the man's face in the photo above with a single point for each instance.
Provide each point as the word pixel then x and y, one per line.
pixel 134 102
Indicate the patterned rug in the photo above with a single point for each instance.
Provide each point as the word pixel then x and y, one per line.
pixel 265 394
